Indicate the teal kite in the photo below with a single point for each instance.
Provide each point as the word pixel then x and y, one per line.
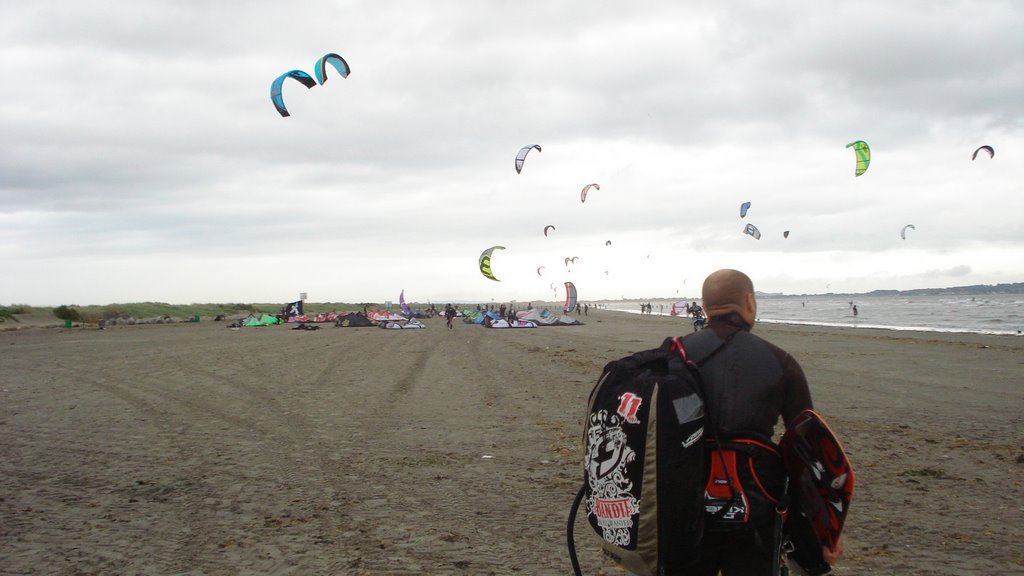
pixel 863 155
pixel 275 88
pixel 339 63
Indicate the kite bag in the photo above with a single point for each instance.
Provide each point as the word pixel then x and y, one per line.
pixel 645 463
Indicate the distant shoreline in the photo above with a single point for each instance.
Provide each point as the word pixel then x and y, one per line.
pixel 856 326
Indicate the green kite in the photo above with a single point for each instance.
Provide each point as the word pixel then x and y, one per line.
pixel 863 155
pixel 485 262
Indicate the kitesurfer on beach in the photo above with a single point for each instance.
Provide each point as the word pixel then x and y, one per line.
pixel 749 383
pixel 449 314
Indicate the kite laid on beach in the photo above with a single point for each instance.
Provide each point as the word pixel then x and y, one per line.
pixel 275 88
pixel 863 155
pixel 485 262
pixel 752 231
pixel 521 156
pixel 339 63
pixel 903 232
pixel 570 296
pixel 583 193
pixel 743 209
pixel 991 152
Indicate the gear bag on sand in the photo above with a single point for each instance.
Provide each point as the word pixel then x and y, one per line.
pixel 645 463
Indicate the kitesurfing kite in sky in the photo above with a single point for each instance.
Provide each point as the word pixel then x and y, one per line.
pixel 539 268
pixel 583 193
pixel 863 155
pixel 275 88
pixel 485 262
pixel 339 63
pixel 521 156
pixel 991 152
pixel 551 226
pixel 752 231
pixel 903 232
pixel 743 209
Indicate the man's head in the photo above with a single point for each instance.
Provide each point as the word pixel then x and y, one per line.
pixel 728 291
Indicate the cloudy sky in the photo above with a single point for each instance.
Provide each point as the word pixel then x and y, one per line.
pixel 142 159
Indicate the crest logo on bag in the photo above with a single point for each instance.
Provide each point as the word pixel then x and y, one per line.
pixel 610 503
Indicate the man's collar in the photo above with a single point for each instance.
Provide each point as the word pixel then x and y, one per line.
pixel 731 319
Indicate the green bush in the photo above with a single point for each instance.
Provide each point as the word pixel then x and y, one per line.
pixel 66 313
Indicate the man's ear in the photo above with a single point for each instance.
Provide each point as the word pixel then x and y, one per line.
pixel 750 308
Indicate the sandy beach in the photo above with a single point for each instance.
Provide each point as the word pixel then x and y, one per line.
pixel 196 449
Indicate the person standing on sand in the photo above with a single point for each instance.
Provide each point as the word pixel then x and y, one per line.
pixel 449 314
pixel 749 384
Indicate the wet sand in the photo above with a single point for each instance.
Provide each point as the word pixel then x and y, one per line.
pixel 196 449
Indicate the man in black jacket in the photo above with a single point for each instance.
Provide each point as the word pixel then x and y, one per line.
pixel 749 383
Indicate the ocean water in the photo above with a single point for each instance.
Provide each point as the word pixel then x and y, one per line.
pixel 983 314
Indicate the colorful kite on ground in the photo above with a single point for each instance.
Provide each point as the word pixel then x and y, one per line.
pixel 752 231
pixel 485 262
pixel 275 88
pixel 521 156
pixel 320 68
pixel 570 297
pixel 863 155
pixel 583 193
pixel 991 152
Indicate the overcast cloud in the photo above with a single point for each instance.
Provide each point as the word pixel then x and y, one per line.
pixel 143 159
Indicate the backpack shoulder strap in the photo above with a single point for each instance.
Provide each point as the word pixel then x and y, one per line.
pixel 677 345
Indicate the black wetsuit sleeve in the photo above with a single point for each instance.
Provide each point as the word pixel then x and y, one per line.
pixel 797 392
